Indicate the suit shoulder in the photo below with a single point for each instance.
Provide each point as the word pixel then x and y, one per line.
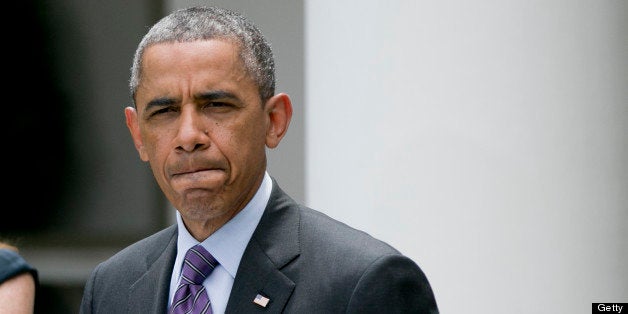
pixel 321 229
pixel 368 274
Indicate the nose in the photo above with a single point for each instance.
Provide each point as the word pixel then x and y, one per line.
pixel 192 134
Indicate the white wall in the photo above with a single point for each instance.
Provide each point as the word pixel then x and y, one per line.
pixel 485 139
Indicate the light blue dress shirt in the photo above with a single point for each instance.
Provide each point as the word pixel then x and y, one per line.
pixel 227 245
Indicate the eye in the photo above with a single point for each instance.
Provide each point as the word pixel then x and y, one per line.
pixel 163 110
pixel 216 104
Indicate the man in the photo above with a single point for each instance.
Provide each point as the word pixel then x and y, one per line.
pixel 205 111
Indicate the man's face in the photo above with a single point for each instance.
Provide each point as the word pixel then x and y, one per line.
pixel 201 126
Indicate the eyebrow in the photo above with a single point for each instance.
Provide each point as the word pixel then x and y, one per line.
pixel 214 95
pixel 206 96
pixel 160 102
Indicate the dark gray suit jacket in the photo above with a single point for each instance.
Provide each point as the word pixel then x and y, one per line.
pixel 299 258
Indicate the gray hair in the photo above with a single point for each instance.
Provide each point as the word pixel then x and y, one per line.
pixel 205 23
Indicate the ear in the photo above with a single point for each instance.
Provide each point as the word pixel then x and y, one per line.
pixel 134 127
pixel 279 112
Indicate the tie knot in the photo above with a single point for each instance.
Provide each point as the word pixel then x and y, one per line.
pixel 197 265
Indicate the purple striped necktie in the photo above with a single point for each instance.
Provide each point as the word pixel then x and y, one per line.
pixel 191 296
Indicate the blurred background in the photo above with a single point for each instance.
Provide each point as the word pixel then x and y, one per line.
pixel 487 140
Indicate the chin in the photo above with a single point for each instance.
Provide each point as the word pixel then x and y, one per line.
pixel 200 209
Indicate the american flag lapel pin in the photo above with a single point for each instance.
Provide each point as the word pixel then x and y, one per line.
pixel 261 300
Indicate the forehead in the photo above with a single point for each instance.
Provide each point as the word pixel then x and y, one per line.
pixel 215 48
pixel 203 64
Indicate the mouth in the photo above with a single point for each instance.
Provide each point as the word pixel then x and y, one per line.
pixel 193 171
pixel 199 174
pixel 190 166
pixel 205 179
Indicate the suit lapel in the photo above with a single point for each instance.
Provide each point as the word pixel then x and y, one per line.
pixel 274 244
pixel 259 276
pixel 152 289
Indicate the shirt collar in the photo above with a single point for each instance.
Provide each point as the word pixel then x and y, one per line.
pixel 228 243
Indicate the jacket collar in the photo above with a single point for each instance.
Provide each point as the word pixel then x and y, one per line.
pixel 274 244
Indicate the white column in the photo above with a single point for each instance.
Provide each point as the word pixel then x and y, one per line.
pixel 488 140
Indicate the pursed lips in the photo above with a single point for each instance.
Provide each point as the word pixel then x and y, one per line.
pixel 181 172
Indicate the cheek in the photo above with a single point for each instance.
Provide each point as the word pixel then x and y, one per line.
pixel 245 142
pixel 149 144
pixel 154 147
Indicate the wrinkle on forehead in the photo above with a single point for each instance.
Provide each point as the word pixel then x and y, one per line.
pixel 182 64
